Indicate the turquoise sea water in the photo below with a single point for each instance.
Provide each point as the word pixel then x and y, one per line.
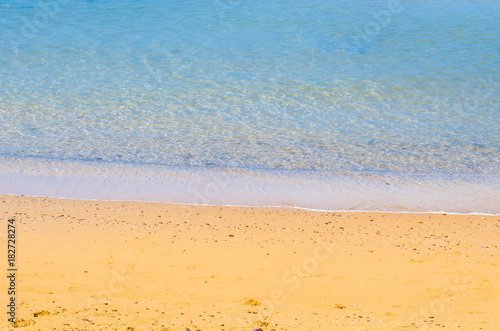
pixel 345 97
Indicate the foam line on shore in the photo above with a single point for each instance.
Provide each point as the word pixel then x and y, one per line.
pixel 477 194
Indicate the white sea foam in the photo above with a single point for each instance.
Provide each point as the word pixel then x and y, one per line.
pixel 322 191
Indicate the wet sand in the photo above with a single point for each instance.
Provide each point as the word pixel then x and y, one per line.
pixel 100 265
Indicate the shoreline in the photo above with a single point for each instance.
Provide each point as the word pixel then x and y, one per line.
pixel 155 266
pixel 265 207
pixel 462 194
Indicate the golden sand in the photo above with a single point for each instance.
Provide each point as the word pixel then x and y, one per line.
pixel 100 265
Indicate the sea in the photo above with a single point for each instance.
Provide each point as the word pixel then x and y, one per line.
pixel 356 105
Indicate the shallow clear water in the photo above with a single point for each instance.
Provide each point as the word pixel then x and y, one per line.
pixel 327 87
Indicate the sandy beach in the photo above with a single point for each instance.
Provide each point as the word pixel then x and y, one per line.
pixel 101 265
